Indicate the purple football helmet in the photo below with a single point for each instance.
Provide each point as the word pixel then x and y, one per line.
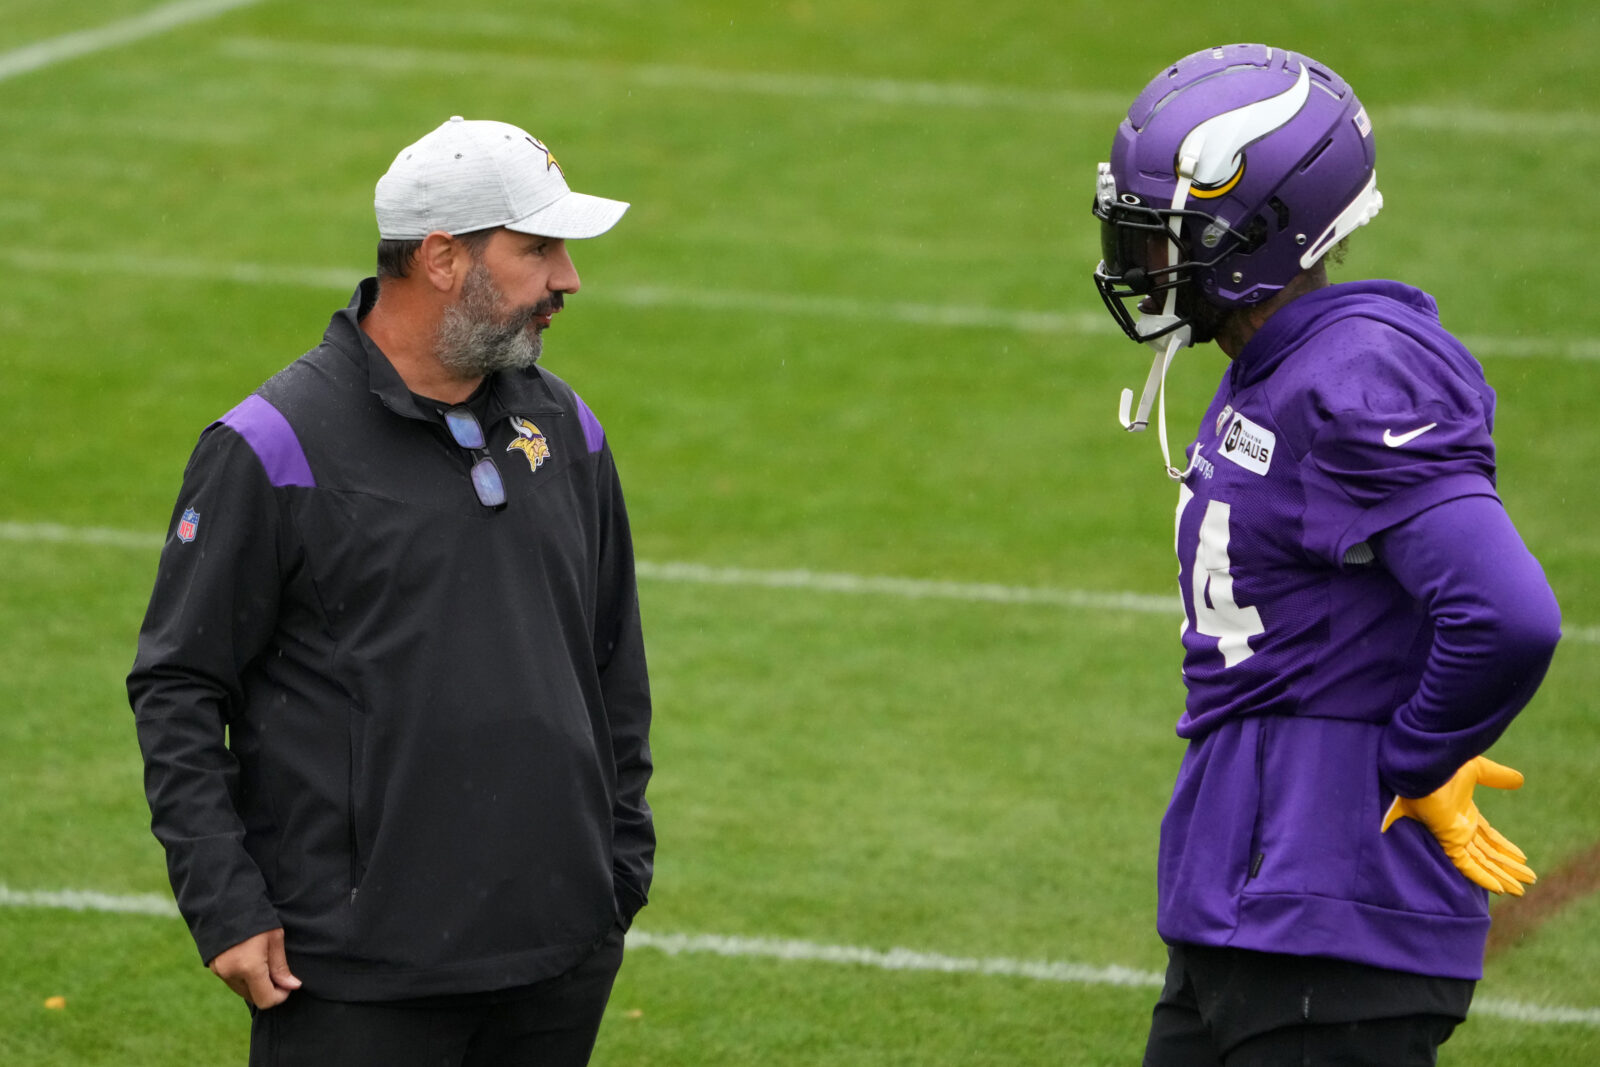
pixel 1237 168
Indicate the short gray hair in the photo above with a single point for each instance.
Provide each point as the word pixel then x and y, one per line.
pixel 395 256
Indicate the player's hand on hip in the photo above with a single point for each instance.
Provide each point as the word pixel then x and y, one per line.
pixel 1477 849
pixel 257 970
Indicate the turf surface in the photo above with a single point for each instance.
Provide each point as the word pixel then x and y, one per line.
pixel 847 328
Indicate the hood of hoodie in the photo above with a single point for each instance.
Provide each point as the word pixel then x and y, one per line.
pixel 1408 310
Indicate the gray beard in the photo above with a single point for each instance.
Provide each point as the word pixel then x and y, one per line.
pixel 472 343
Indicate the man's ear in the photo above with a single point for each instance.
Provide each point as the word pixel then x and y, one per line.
pixel 443 261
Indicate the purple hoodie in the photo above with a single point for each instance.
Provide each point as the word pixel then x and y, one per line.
pixel 1362 619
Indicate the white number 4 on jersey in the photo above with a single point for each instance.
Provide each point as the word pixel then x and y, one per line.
pixel 1216 614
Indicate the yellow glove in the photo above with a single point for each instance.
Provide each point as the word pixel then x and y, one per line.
pixel 1478 850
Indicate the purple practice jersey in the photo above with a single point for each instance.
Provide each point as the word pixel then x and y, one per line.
pixel 1351 411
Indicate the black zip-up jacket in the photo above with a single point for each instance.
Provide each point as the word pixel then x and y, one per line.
pixel 408 728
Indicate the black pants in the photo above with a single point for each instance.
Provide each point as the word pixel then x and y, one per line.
pixel 550 1024
pixel 1234 1008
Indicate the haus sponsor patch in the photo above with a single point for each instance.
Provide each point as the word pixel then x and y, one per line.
pixel 1249 444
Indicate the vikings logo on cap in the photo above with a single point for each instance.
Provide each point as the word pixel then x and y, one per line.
pixel 188 524
pixel 549 158
pixel 530 442
pixel 1217 145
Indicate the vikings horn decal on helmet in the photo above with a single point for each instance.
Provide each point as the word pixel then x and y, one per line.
pixel 1217 145
pixel 1236 168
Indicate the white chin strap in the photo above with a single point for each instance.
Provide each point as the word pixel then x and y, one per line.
pixel 1166 347
pixel 1155 390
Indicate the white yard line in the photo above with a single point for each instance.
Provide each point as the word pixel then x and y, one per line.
pixel 808 306
pixel 89 900
pixel 895 959
pixel 910 588
pixel 393 61
pixel 901 959
pixel 701 574
pixel 55 533
pixel 1469 119
pixel 805 580
pixel 794 951
pixel 152 23
pixel 341 281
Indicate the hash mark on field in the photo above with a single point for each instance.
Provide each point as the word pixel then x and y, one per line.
pixel 156 21
pixel 794 951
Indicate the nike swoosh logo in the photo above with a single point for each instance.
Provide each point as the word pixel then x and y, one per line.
pixel 1394 440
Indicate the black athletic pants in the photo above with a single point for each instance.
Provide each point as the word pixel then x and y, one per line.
pixel 1234 1008
pixel 550 1024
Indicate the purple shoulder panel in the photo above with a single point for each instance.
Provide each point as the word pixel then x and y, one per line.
pixel 273 440
pixel 594 435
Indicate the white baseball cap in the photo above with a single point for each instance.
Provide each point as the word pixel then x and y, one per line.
pixel 473 174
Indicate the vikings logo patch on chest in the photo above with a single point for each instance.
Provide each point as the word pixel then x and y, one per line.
pixel 1249 444
pixel 530 442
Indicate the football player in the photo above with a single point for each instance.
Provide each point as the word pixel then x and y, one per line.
pixel 1363 619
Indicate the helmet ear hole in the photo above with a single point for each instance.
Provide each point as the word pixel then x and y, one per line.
pixel 1282 211
pixel 1255 235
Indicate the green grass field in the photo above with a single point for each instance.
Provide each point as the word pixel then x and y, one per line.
pixel 846 330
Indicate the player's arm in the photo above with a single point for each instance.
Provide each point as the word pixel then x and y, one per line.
pixel 1496 624
pixel 212 611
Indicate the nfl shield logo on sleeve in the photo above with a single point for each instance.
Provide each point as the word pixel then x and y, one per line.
pixel 188 524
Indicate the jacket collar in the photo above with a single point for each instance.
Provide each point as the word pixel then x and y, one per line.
pixel 510 392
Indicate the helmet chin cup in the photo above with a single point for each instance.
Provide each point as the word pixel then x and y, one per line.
pixel 1155 329
pixel 1169 334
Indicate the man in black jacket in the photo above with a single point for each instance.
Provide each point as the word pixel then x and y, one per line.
pixel 391 687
